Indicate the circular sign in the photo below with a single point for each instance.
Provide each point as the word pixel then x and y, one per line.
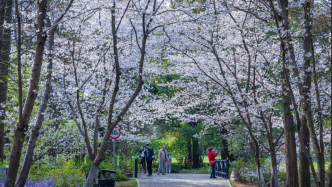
pixel 115 133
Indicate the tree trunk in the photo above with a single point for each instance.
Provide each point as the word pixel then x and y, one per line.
pixel 318 146
pixel 330 167
pixel 274 175
pixel 196 153
pixel 305 101
pixel 329 175
pixel 261 181
pixel 304 170
pixel 113 122
pixel 189 149
pixel 229 156
pixel 78 103
pixel 22 128
pixel 4 52
pixel 290 141
pixel 309 20
pixel 35 132
pixel 328 182
pixel 125 148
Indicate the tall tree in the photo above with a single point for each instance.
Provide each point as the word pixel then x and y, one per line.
pixel 5 35
pixel 40 118
pixel 141 34
pixel 22 126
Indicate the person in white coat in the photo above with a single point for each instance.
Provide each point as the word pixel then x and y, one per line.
pixel 162 156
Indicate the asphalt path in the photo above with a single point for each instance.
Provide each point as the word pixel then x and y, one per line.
pixel 181 180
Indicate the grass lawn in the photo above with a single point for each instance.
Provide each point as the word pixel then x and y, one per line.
pixel 205 159
pixel 126 183
pixel 282 175
pixel 315 165
pixel 238 184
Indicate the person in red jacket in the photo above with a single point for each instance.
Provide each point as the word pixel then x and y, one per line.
pixel 212 157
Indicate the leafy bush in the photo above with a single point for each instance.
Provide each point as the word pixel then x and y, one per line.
pixel 73 172
pixel 125 165
pixel 248 170
pixel 68 173
pixel 46 182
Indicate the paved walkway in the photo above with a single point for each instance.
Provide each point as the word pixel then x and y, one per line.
pixel 181 180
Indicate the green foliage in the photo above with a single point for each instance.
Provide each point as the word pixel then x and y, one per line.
pixel 205 169
pixel 172 146
pixel 127 183
pixel 67 173
pixel 74 171
pixel 247 166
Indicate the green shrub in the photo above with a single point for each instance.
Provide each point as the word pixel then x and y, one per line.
pixel 248 171
pixel 74 171
pixel 68 173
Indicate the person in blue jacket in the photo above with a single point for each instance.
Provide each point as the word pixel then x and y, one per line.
pixel 142 158
pixel 149 158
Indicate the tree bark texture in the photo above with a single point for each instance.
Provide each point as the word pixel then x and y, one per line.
pixel 330 166
pixel 305 101
pixel 304 170
pixel 229 156
pixel 4 63
pixel 40 118
pixel 308 59
pixel 224 142
pixel 290 141
pixel 329 184
pixel 196 153
pixel 189 149
pixel 273 155
pixel 261 181
pixel 22 128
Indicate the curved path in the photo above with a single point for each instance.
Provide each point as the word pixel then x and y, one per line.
pixel 181 180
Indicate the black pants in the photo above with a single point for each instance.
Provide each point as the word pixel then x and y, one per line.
pixel 144 166
pixel 149 163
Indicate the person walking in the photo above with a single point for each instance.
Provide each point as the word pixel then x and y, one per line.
pixel 212 160
pixel 162 156
pixel 169 164
pixel 149 158
pixel 142 158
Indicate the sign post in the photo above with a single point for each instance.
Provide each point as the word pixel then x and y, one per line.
pixel 113 154
pixel 115 135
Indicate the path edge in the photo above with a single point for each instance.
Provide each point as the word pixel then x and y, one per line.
pixel 229 183
pixel 138 185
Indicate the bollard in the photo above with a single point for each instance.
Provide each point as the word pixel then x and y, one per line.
pixel 227 167
pixel 136 167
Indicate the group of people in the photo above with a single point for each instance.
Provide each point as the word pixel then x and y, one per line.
pixel 147 156
pixel 165 161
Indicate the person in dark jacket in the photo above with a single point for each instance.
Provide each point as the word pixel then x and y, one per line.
pixel 142 157
pixel 149 158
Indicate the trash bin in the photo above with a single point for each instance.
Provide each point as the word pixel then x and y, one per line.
pixel 106 178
